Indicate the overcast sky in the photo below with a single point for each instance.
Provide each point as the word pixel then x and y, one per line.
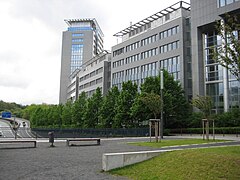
pixel 31 40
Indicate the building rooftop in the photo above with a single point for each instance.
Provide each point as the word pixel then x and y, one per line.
pixel 71 22
pixel 164 12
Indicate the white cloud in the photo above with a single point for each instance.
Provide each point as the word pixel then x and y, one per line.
pixel 30 40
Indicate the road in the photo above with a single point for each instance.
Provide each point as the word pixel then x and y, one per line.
pixel 22 132
pixel 5 129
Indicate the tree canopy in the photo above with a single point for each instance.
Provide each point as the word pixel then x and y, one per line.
pixel 204 104
pixel 228 53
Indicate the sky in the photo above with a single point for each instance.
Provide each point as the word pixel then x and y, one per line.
pixel 31 40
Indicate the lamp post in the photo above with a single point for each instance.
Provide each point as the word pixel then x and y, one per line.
pixel 14 126
pixel 161 91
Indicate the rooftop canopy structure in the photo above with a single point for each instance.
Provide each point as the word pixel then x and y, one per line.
pixel 164 12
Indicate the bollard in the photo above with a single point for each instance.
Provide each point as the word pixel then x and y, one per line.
pixel 51 138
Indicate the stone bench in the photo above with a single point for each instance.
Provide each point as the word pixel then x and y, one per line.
pixel 19 141
pixel 82 139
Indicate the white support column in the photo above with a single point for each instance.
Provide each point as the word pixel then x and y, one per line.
pixel 225 89
pixel 225 80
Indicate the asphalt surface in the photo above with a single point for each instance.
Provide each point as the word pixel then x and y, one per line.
pixel 5 130
pixel 62 162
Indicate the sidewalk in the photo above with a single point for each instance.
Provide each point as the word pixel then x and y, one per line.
pixel 232 137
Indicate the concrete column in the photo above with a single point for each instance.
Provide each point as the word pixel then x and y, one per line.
pixel 225 80
pixel 225 89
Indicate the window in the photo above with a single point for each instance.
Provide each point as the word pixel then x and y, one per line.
pixel 77 34
pixel 172 66
pixel 222 3
pixel 169 32
pixel 98 80
pixel 92 74
pixel 92 83
pixel 77 40
pixel 118 52
pixel 99 70
pixel 149 53
pixel 229 1
pixel 76 56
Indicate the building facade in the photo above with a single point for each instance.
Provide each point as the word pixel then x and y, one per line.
pixel 95 73
pixel 161 41
pixel 210 78
pixel 82 41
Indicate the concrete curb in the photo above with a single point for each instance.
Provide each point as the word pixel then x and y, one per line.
pixel 117 160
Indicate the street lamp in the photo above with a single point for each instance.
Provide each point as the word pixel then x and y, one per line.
pixel 161 91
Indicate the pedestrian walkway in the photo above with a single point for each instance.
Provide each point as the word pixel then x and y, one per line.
pixel 232 137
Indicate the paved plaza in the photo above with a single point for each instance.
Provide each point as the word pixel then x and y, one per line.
pixel 62 162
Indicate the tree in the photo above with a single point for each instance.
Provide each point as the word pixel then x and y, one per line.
pixel 139 112
pixel 175 106
pixel 78 110
pixel 204 104
pixel 124 103
pixel 153 102
pixel 91 115
pixel 67 114
pixel 107 111
pixel 228 53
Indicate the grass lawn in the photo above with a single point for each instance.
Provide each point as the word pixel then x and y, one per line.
pixel 210 163
pixel 165 143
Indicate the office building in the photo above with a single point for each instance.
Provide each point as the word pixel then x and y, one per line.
pixel 210 78
pixel 160 41
pixel 82 41
pixel 94 73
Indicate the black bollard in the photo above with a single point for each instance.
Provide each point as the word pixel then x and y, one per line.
pixel 51 138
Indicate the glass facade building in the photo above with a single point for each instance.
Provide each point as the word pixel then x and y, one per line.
pixel 214 75
pixel 82 41
pixel 209 77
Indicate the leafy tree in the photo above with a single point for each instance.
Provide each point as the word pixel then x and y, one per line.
pixel 228 119
pixel 54 115
pixel 124 103
pixel 91 115
pixel 40 116
pixel 5 106
pixel 78 110
pixel 175 106
pixel 27 112
pixel 107 111
pixel 228 54
pixel 67 114
pixel 139 112
pixel 153 102
pixel 194 120
pixel 204 104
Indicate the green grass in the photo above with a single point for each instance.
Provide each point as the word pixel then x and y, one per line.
pixel 177 142
pixel 198 164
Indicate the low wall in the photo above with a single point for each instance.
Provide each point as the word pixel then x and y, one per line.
pixel 117 160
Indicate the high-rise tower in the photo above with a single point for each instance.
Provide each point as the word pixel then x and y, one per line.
pixel 82 41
